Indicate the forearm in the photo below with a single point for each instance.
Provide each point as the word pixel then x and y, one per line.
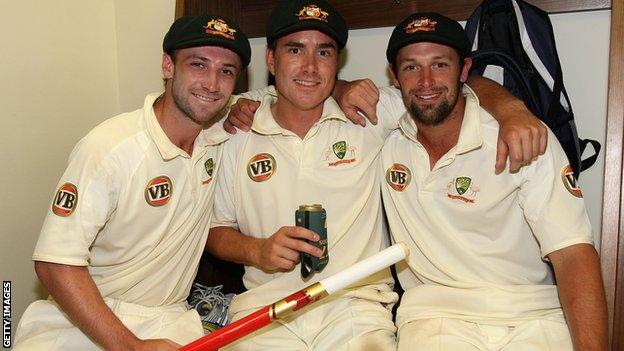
pixel 495 99
pixel 231 245
pixel 75 292
pixel 581 292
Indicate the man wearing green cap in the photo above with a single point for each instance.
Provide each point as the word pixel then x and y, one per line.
pixel 486 248
pixel 303 151
pixel 120 246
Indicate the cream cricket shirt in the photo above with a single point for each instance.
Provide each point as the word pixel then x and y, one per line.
pixel 134 208
pixel 267 173
pixel 477 239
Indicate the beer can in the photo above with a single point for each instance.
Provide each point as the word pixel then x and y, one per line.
pixel 314 218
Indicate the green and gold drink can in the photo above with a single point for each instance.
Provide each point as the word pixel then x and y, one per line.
pixel 314 218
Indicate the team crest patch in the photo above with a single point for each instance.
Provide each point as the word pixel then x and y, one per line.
pixel 261 167
pixel 220 27
pixel 422 24
pixel 65 200
pixel 158 191
pixel 570 182
pixel 335 155
pixel 209 166
pixel 312 12
pixel 340 149
pixel 398 176
pixel 463 189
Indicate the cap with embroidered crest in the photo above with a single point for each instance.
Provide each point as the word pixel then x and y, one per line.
pixel 207 30
pixel 431 27
pixel 292 16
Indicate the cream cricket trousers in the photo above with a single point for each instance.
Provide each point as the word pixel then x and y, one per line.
pixel 442 334
pixel 339 324
pixel 45 327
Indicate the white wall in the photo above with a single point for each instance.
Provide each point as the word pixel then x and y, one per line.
pixel 140 28
pixel 65 66
pixel 583 46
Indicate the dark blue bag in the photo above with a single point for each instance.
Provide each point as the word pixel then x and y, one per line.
pixel 514 44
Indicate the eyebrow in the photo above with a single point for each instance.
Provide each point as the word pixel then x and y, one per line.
pixel 206 59
pixel 297 44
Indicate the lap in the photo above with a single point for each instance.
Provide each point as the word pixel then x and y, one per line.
pixel 344 324
pixel 44 326
pixel 453 334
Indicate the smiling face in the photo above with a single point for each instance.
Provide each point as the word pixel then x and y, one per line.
pixel 430 77
pixel 304 64
pixel 201 80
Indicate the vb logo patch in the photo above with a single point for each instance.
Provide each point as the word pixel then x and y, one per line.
pixel 261 167
pixel 463 189
pixel 398 176
pixel 158 191
pixel 65 200
pixel 209 166
pixel 570 182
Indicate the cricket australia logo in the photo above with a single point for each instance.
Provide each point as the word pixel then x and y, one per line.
pixel 220 27
pixel 209 166
pixel 422 24
pixel 261 167
pixel 398 176
pixel 65 200
pixel 158 191
pixel 335 155
pixel 463 189
pixel 312 12
pixel 570 182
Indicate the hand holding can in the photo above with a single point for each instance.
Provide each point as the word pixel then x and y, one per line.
pixel 314 218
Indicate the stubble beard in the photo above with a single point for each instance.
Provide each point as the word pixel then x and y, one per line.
pixel 182 102
pixel 432 115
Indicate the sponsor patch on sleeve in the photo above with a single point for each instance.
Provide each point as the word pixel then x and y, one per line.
pixel 65 200
pixel 570 182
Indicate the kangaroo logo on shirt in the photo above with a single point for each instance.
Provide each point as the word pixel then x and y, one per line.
pixel 398 176
pixel 335 155
pixel 209 166
pixel 261 167
pixel 463 189
pixel 65 200
pixel 158 191
pixel 570 182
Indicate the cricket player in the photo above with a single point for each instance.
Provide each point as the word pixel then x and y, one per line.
pixel 122 240
pixel 498 261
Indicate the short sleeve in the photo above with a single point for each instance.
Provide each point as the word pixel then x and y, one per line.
pixel 552 201
pixel 224 210
pixel 390 108
pixel 85 197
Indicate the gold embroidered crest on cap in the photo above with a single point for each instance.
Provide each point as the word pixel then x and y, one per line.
pixel 422 24
pixel 570 182
pixel 313 12
pixel 220 27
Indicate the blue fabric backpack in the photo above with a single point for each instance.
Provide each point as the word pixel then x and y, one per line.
pixel 514 44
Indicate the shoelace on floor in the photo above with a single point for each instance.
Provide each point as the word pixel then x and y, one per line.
pixel 211 304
